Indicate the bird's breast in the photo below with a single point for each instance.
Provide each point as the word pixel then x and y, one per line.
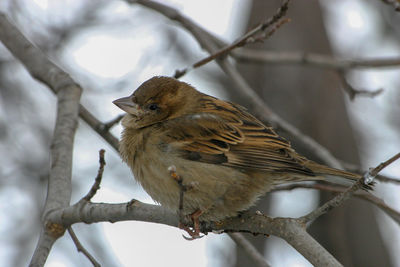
pixel 217 190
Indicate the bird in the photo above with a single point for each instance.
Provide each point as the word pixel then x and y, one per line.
pixel 223 155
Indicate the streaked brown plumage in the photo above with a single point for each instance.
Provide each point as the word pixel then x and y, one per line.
pixel 229 156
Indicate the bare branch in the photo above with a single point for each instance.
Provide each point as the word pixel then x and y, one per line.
pixel 44 245
pixel 352 92
pixel 183 188
pixel 333 203
pixel 108 125
pixel 386 179
pixel 374 172
pixel 382 178
pixel 342 197
pixel 68 96
pixel 312 60
pixel 395 215
pixel 98 126
pixel 247 38
pixel 96 185
pixel 292 230
pixel 249 249
pixel 81 248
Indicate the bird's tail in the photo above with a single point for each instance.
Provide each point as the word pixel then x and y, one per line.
pixel 333 175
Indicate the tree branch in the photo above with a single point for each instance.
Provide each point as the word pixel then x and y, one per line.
pixel 352 92
pixel 96 185
pixel 243 40
pixel 68 95
pixel 342 197
pixel 395 215
pixel 292 230
pixel 382 178
pixel 98 126
pixel 333 203
pixel 81 248
pixel 249 249
pixel 111 123
pixel 312 60
pixel 42 250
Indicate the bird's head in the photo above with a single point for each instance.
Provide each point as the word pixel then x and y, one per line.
pixel 156 100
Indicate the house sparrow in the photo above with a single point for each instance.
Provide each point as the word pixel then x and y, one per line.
pixel 227 156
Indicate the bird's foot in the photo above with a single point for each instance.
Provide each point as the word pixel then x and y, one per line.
pixel 195 231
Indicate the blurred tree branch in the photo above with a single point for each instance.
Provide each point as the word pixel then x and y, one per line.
pixel 81 248
pixel 250 250
pixel 312 60
pixel 256 34
pixel 365 195
pixel 68 95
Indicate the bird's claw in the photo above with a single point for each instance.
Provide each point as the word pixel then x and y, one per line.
pixel 191 238
pixel 193 233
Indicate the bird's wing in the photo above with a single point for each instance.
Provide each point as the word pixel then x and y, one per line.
pixel 225 133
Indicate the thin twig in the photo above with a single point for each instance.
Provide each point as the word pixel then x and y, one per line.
pixel 352 92
pixel 96 184
pixel 381 178
pixel 374 172
pixel 81 248
pixel 249 37
pixel 342 197
pixel 317 186
pixel 331 204
pixel 194 233
pixel 249 249
pixel 182 190
pixel 108 125
pixel 386 179
pixel 395 215
pixel 265 35
pixel 98 126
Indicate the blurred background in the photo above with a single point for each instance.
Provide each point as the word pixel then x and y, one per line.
pixel 111 47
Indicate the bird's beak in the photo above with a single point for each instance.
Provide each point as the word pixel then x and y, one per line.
pixel 128 105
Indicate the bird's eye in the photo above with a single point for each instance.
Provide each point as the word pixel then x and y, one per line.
pixel 153 106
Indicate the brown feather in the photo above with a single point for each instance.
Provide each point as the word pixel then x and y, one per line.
pixel 233 135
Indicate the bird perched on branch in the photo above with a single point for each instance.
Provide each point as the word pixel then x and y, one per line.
pixel 227 156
